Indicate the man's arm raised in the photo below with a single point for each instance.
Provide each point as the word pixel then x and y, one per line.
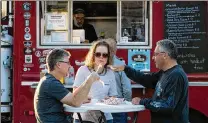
pixel 79 95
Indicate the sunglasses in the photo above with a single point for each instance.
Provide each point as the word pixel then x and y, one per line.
pixel 98 54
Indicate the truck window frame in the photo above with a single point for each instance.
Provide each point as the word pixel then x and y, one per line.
pixel 143 45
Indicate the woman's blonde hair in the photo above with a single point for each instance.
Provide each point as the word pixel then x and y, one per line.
pixel 90 61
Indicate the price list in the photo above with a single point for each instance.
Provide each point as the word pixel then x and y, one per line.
pixel 185 24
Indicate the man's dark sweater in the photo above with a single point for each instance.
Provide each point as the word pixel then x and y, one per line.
pixel 169 103
pixel 90 33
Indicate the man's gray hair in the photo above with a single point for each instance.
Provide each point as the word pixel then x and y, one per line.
pixel 169 47
pixel 55 56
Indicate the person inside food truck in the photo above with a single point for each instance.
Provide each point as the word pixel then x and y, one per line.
pixel 80 23
pixel 169 103
pixel 50 94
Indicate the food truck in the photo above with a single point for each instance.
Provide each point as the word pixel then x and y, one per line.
pixel 39 26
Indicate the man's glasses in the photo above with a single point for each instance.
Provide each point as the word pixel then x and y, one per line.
pixel 79 18
pixel 98 54
pixel 156 54
pixel 67 62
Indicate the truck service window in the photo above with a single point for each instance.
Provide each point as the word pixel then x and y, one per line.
pixel 65 23
pixel 99 19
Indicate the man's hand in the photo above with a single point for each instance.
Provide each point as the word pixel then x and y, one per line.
pixel 117 68
pixel 136 100
pixel 88 100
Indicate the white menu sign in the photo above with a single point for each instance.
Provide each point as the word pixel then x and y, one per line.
pixel 56 21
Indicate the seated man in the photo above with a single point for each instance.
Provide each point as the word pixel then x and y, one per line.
pixel 50 94
pixel 79 23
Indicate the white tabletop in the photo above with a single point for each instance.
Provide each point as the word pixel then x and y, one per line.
pixel 35 84
pixel 105 108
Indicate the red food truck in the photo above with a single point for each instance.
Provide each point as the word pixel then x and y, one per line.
pixel 30 29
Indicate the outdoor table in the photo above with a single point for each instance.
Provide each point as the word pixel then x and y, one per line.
pixel 104 108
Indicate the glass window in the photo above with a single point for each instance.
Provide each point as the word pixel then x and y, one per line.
pixel 53 22
pixel 134 23
pixel 3 9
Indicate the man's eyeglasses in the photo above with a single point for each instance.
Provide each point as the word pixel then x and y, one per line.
pixel 157 53
pixel 79 18
pixel 98 54
pixel 67 62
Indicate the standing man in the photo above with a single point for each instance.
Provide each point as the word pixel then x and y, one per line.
pixel 122 81
pixel 169 103
pixel 79 23
pixel 50 94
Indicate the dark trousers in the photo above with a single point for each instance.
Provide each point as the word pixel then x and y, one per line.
pixel 77 121
pixel 119 117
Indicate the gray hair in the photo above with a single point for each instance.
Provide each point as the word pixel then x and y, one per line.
pixel 55 56
pixel 113 44
pixel 169 47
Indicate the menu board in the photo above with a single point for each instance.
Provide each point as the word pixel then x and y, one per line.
pixel 186 24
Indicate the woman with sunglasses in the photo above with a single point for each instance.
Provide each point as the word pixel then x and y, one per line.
pixel 98 57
